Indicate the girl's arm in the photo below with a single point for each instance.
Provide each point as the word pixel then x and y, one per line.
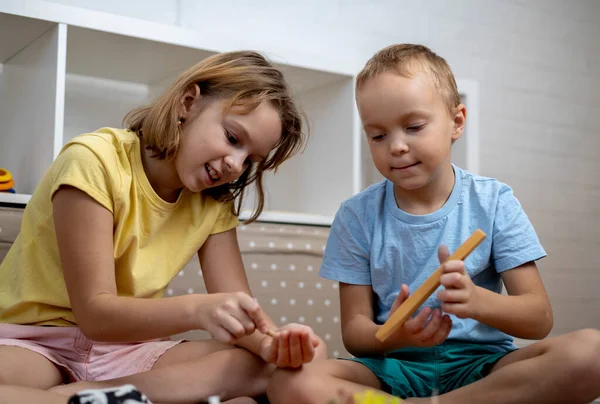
pixel 84 234
pixel 223 272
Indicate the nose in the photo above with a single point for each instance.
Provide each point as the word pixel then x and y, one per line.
pixel 235 162
pixel 398 144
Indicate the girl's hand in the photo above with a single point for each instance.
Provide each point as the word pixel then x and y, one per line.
pixel 460 294
pixel 229 316
pixel 291 347
pixel 428 328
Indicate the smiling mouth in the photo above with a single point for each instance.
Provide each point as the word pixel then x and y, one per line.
pixel 408 166
pixel 212 173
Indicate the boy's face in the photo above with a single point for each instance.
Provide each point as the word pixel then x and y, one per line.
pixel 409 129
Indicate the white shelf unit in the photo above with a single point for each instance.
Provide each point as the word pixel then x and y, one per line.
pixel 71 71
pixel 67 70
pixel 30 102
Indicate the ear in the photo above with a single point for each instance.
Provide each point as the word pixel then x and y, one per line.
pixel 191 96
pixel 459 119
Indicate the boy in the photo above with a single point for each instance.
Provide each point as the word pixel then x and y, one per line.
pixel 384 243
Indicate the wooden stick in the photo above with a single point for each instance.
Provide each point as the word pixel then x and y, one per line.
pixel 415 300
pixel 271 333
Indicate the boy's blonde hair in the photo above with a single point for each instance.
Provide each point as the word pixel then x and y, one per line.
pixel 243 78
pixel 408 59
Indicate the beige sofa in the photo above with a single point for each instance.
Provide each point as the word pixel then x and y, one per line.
pixel 282 262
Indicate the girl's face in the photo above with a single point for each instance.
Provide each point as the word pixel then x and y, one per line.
pixel 216 146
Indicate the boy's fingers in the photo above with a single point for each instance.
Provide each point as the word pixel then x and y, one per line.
pixel 454 266
pixel 442 332
pixel 402 296
pixel 417 323
pixel 445 329
pixel 283 354
pixel 443 253
pixel 296 358
pixel 432 326
pixel 452 296
pixel 458 309
pixel 452 280
pixel 404 291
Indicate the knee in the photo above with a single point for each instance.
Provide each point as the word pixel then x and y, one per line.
pixel 291 386
pixel 582 352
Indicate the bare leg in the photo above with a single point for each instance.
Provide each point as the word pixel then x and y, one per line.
pixel 28 395
pixel 563 369
pixel 320 382
pixel 189 372
pixel 241 400
pixel 25 375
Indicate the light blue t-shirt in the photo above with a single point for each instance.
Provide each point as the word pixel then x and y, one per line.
pixel 373 242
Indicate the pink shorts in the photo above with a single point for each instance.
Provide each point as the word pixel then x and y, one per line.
pixel 81 358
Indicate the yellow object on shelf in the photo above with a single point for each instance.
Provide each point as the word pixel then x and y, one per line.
pixel 5 186
pixel 5 175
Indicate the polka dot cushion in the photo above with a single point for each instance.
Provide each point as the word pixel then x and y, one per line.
pixel 282 263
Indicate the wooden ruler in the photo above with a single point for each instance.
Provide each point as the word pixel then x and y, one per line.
pixel 415 300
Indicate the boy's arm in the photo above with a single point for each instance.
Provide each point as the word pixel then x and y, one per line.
pixel 358 327
pixel 526 311
pixel 428 328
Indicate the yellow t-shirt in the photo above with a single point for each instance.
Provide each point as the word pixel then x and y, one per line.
pixel 153 239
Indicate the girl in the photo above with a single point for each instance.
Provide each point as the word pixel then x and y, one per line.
pixel 118 215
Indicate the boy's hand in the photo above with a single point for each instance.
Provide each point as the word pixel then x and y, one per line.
pixel 291 347
pixel 428 328
pixel 460 294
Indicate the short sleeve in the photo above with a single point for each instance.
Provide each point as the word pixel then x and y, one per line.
pixel 514 241
pixel 226 219
pixel 80 167
pixel 346 257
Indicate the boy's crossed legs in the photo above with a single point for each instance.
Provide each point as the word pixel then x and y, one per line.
pixel 563 369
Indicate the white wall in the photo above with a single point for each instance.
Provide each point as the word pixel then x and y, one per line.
pixel 537 66
pixel 163 11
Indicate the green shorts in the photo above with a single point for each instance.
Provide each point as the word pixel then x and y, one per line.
pixel 419 372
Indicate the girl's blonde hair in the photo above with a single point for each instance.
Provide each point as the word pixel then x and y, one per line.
pixel 244 78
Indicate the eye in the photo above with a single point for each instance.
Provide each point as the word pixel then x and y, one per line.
pixel 231 138
pixel 378 138
pixel 415 128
